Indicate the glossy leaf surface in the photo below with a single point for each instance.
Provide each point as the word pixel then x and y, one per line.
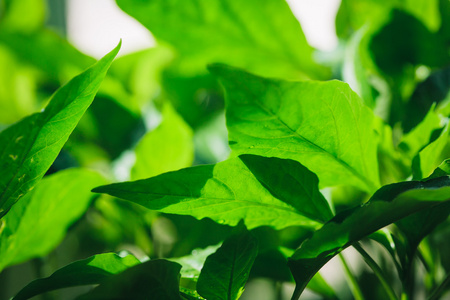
pixel 323 125
pixel 262 191
pixel 389 204
pixel 92 270
pixel 38 223
pixel 225 272
pixel 30 146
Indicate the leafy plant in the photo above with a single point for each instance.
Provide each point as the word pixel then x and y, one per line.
pixel 349 150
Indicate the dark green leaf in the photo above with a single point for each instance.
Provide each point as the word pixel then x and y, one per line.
pixel 323 125
pixel 389 204
pixel 37 224
pixel 261 36
pixel 225 272
pixel 154 279
pixel 262 191
pixel 92 270
pixel 30 146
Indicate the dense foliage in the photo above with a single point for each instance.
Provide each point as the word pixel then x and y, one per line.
pixel 230 152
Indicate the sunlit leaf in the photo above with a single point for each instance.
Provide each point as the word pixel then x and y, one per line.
pixel 37 224
pixel 89 271
pixel 323 125
pixel 261 36
pixel 262 191
pixel 225 272
pixel 30 146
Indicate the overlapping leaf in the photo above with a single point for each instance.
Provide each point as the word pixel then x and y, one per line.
pixel 225 273
pixel 389 204
pixel 92 270
pixel 262 191
pixel 30 146
pixel 323 125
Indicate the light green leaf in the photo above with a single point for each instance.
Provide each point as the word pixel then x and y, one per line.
pixel 38 223
pixel 30 146
pixel 262 191
pixel 193 263
pixel 92 270
pixel 261 36
pixel 389 204
pixel 167 148
pixel 225 273
pixel 14 12
pixel 323 125
pixel 430 157
pixel 420 136
pixel 154 279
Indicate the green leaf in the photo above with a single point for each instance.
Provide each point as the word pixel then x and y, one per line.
pixel 323 125
pixel 420 136
pixel 38 223
pixel 262 191
pixel 225 272
pixel 167 148
pixel 30 146
pixel 193 263
pixel 442 170
pixel 261 36
pixel 154 279
pixel 389 204
pixel 13 12
pixel 92 270
pixel 430 157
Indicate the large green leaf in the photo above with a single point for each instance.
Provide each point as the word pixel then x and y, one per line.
pixel 154 279
pixel 30 146
pixel 323 125
pixel 225 272
pixel 262 191
pixel 37 224
pixel 261 36
pixel 167 148
pixel 389 204
pixel 92 270
pixel 430 157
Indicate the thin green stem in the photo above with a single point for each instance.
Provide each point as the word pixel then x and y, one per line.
pixel 437 293
pixel 377 271
pixel 353 283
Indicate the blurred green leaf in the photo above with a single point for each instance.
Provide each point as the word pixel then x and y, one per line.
pixel 420 136
pixel 193 263
pixel 30 146
pixel 430 157
pixel 262 191
pixel 354 14
pixel 154 279
pixel 282 119
pixel 167 148
pixel 261 36
pixel 13 13
pixel 38 223
pixel 89 271
pixel 225 273
pixel 389 204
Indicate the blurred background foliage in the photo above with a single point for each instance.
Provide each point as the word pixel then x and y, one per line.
pixel 160 110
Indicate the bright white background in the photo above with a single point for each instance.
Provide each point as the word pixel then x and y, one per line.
pixel 95 27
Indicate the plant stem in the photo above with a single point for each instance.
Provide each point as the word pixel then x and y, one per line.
pixel 354 286
pixel 437 293
pixel 377 271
